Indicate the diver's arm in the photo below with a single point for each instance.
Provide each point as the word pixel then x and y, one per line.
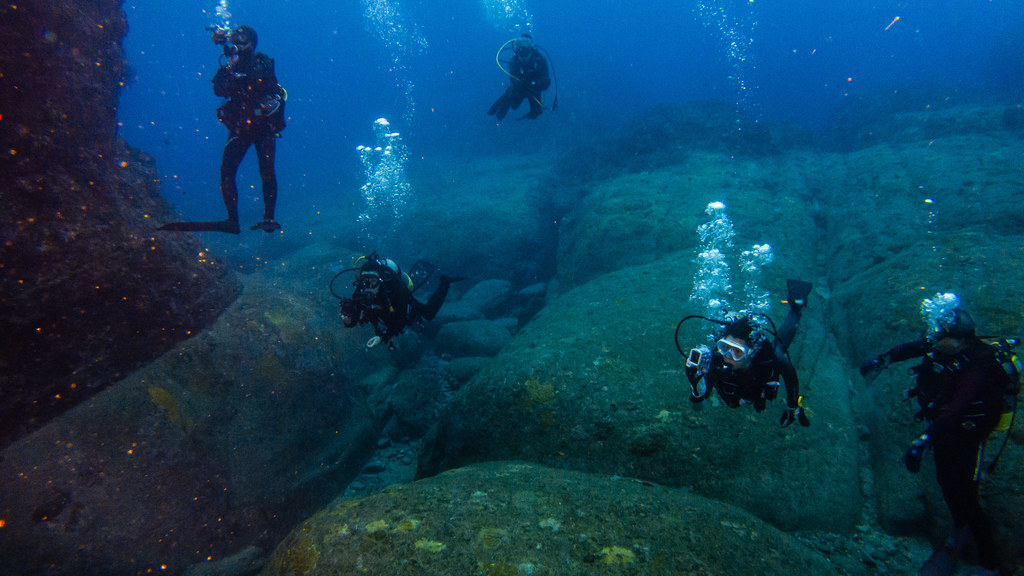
pixel 794 411
pixel 791 381
pixel 224 82
pixel 396 310
pixel 906 351
pixel 266 78
pixel 915 349
pixel 702 379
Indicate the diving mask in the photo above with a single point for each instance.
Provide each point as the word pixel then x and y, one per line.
pixel 522 46
pixel 732 349
pixel 240 41
pixel 368 283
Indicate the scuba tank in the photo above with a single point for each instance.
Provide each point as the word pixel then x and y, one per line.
pixel 1014 368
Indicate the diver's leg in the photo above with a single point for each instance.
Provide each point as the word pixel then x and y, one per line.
pixel 500 106
pixel 787 332
pixel 798 291
pixel 535 107
pixel 956 467
pixel 266 147
pixel 234 151
pixel 433 305
pixel 516 98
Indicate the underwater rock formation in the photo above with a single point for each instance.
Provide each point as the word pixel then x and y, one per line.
pixel 518 518
pixel 594 383
pixel 88 292
pixel 881 227
pixel 225 442
pixel 906 220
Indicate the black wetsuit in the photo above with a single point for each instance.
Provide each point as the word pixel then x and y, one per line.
pixel 758 382
pixel 961 397
pixel 529 78
pixel 254 115
pixel 393 307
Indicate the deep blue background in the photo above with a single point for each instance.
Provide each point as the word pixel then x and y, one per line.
pixel 799 60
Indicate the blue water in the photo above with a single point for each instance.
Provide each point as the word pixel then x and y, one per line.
pixel 777 60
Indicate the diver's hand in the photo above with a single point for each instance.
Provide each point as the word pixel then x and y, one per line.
pixel 698 390
pixel 693 374
pixel 873 366
pixel 912 457
pixel 790 415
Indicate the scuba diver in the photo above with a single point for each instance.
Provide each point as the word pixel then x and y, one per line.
pixel 254 116
pixel 383 297
pixel 745 367
pixel 528 77
pixel 962 384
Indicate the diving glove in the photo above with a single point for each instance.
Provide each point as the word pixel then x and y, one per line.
pixel 913 456
pixel 790 415
pixel 874 365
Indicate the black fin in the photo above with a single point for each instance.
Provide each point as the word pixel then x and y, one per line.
pixel 266 226
pixel 219 226
pixel 500 107
pixel 941 563
pixel 533 113
pixel 798 291
pixel 421 273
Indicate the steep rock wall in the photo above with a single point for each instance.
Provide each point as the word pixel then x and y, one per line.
pixel 87 291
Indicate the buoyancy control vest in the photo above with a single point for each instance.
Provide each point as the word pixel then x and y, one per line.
pixel 937 375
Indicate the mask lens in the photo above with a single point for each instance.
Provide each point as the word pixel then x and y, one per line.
pixel 731 349
pixel 368 282
pixel 239 40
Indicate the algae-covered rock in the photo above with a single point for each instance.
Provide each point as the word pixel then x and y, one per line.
pixel 472 338
pixel 595 383
pixel 240 431
pixel 910 219
pixel 510 518
pixel 639 218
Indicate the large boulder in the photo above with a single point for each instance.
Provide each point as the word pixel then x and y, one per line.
pixel 639 218
pixel 595 383
pixel 472 338
pixel 520 518
pixel 224 442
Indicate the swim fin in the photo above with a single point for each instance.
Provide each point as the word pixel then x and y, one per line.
pixel 500 107
pixel 227 226
pixel 420 274
pixel 535 109
pixel 798 291
pixel 941 563
pixel 266 226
